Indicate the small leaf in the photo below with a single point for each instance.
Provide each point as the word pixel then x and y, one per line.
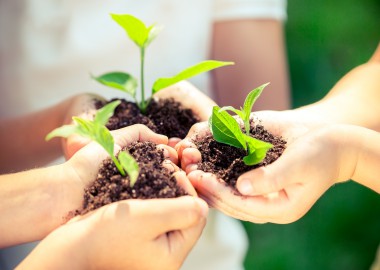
pixel 257 150
pixel 85 127
pixel 230 108
pixel 103 137
pixel 188 73
pixel 64 131
pixel 251 99
pixel 154 30
pixel 120 81
pixel 103 114
pixel 225 129
pixel 136 29
pixel 130 166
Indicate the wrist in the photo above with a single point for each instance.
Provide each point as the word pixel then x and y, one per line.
pixel 348 148
pixel 64 248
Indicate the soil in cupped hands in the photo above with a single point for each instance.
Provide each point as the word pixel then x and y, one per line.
pixel 226 161
pixel 154 180
pixel 163 116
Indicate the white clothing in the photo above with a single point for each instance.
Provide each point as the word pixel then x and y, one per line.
pixel 48 49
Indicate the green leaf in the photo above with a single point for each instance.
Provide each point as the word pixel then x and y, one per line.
pixel 85 127
pixel 225 129
pixel 257 150
pixel 103 114
pixel 154 30
pixel 130 166
pixel 188 73
pixel 103 137
pixel 230 108
pixel 64 131
pixel 251 99
pixel 120 81
pixel 137 31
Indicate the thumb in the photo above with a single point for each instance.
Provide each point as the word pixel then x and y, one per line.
pixel 273 178
pixel 138 132
pixel 171 214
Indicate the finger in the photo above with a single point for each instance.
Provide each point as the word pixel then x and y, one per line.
pixel 198 130
pixel 173 142
pixel 257 209
pixel 170 166
pixel 287 170
pixel 182 145
pixel 169 153
pixel 72 144
pixel 184 182
pixel 190 158
pixel 168 214
pixel 190 168
pixel 125 136
pixel 181 242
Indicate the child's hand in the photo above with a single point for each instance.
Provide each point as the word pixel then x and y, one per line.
pixel 132 234
pixel 268 202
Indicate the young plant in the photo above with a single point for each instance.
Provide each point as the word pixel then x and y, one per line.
pixel 226 129
pixel 142 36
pixel 96 131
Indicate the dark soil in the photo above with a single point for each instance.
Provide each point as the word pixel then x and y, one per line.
pixel 165 117
pixel 154 181
pixel 226 162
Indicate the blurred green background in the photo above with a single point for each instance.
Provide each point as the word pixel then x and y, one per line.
pixel 325 39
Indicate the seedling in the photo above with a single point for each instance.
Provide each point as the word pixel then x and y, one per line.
pixel 226 129
pixel 142 36
pixel 96 131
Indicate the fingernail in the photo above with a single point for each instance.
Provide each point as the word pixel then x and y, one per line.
pixel 245 186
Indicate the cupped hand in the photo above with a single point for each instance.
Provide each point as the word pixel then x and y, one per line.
pixel 83 167
pixel 274 193
pixel 132 234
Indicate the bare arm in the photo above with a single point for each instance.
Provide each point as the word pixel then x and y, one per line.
pixel 33 203
pixel 366 167
pixel 22 140
pixel 355 99
pixel 257 48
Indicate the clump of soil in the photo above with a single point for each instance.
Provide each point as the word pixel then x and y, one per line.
pixel 154 181
pixel 165 116
pixel 226 162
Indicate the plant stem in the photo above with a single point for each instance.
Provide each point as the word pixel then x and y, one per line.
pixel 142 59
pixel 247 127
pixel 118 166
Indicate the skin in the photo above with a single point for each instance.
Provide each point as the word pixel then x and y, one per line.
pixel 126 228
pixel 183 92
pixel 14 130
pixel 284 191
pixel 54 191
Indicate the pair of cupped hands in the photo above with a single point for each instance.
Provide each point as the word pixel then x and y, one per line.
pixel 281 192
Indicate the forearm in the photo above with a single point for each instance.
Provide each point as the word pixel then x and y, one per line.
pixel 360 157
pixel 22 140
pixel 62 249
pixel 257 48
pixel 35 202
pixel 355 99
